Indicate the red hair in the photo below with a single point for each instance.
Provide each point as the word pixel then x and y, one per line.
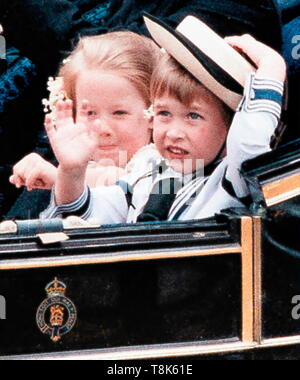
pixel 128 54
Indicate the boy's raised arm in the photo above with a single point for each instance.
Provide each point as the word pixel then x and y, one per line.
pixel 257 118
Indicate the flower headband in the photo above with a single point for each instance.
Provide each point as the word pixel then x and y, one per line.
pixel 55 87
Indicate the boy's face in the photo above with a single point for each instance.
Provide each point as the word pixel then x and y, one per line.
pixel 185 135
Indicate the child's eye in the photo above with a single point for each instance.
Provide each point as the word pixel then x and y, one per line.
pixel 120 113
pixel 91 113
pixel 164 113
pixel 194 116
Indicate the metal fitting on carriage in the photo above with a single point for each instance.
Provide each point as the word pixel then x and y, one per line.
pixel 8 227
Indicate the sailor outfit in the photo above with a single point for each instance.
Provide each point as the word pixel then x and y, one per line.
pixel 200 196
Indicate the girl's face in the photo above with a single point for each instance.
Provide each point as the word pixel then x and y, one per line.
pixel 120 108
pixel 189 137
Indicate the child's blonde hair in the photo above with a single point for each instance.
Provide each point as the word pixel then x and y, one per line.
pixel 171 79
pixel 128 54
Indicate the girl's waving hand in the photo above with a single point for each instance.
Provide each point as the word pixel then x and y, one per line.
pixel 73 143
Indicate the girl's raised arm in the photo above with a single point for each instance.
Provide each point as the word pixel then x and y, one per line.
pixel 73 146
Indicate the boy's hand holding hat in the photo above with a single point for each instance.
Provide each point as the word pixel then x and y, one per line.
pixel 268 61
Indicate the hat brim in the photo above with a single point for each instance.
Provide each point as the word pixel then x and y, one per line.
pixel 223 72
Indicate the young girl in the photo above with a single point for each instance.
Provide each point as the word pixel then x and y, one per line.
pixel 106 77
pixel 190 124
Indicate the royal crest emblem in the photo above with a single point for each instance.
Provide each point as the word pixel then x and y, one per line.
pixel 57 315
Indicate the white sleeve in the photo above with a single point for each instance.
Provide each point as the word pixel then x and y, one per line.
pixel 253 126
pixel 106 204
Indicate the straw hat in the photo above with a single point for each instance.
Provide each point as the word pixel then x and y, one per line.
pixel 206 55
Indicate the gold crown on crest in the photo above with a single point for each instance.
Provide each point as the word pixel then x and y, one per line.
pixel 56 288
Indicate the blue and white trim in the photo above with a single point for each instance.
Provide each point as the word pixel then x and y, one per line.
pixel 185 197
pixel 263 95
pixel 82 207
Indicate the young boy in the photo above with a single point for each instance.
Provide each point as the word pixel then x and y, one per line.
pixel 190 127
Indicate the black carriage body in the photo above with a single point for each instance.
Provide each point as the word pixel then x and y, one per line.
pixel 223 287
pixel 274 182
pixel 132 286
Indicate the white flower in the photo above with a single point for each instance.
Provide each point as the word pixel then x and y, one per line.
pixel 55 87
pixel 149 113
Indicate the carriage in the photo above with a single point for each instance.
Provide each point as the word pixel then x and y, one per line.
pixel 226 286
